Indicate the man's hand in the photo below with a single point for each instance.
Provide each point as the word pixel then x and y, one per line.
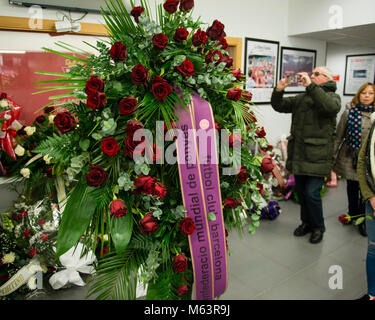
pixel 283 83
pixel 304 79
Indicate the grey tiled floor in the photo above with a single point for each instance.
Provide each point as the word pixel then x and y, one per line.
pixel 275 265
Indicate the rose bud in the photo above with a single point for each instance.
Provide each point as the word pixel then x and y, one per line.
pixel 246 95
pixel 187 226
pixel 237 74
pixel 32 252
pixel 186 5
pixel 27 233
pixel 260 132
pixel 183 290
pixel 267 165
pixel 160 41
pixel 118 208
pixel 171 5
pixel 44 236
pixel 136 12
pixel 242 175
pixel 234 94
pixel 94 84
pixel 127 105
pixel 148 225
pixel 216 31
pixel 110 146
pixel 180 263
pixel 118 52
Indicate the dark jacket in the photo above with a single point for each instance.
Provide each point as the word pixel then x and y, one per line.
pixel 311 140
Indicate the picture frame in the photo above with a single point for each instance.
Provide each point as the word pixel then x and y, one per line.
pixel 261 65
pixel 293 61
pixel 359 68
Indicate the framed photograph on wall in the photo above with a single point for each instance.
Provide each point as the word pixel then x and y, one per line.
pixel 294 60
pixel 358 70
pixel 261 64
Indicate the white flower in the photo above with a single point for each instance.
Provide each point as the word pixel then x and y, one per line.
pixel 31 283
pixel 48 226
pixel 30 130
pixel 9 258
pixel 4 104
pixel 25 172
pixel 19 150
pixel 105 237
pixel 47 159
pixel 51 118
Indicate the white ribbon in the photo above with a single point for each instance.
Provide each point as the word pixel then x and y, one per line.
pixel 74 263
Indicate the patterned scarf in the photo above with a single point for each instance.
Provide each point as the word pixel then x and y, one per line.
pixel 354 131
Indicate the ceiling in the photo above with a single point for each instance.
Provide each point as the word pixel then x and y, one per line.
pixel 363 35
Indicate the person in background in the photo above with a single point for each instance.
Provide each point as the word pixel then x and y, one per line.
pixel 310 144
pixel 353 126
pixel 366 175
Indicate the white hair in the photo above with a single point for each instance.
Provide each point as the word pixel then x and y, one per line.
pixel 327 72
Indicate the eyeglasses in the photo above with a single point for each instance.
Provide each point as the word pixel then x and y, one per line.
pixel 317 74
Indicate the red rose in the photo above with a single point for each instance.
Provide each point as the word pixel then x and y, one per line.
pixel 183 290
pixel 131 146
pixel 237 74
pixel 118 51
pixel 260 132
pixel 230 203
pixel 216 31
pixel 260 187
pixel 228 60
pixel 246 95
pixel 171 5
pixel 159 190
pixel 32 252
pixel 96 177
pixel 40 119
pixel 199 38
pixel 186 68
pixel 44 236
pixel 217 127
pixel 96 100
pixel 267 165
pixel 149 224
pixel 64 122
pixel 94 84
pixel 142 180
pixel 187 225
pixel 140 75
pixel 117 208
pixel 22 214
pixel 180 35
pixel 27 233
pixel 234 94
pixel 110 146
pixel 180 263
pixel 3 95
pixel 161 88
pixel 186 5
pixel 235 140
pixel 136 12
pixel 223 43
pixel 214 56
pixel 127 105
pixel 132 127
pixel 242 175
pixel 41 222
pixel 160 41
pixel 344 219
pixel 48 172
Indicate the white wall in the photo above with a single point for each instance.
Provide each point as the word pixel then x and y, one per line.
pixel 242 18
pixel 336 60
pixel 312 16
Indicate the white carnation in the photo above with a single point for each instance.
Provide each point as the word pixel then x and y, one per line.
pixel 4 103
pixel 19 150
pixel 9 258
pixel 30 130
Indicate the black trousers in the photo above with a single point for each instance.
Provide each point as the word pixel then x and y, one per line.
pixel 308 190
pixel 356 206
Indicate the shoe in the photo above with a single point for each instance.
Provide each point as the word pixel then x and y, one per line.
pixel 317 235
pixel 362 229
pixel 302 230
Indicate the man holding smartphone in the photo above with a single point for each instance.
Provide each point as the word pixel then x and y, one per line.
pixel 310 144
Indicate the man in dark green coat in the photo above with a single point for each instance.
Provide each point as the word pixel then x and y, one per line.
pixel 310 144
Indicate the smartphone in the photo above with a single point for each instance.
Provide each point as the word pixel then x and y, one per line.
pixel 293 78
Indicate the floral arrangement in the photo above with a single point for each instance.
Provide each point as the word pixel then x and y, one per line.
pixel 130 213
pixel 28 231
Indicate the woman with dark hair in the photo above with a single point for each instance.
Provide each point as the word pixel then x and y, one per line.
pixel 353 126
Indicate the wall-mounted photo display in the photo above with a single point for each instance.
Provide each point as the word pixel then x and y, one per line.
pixel 358 70
pixel 261 64
pixel 293 61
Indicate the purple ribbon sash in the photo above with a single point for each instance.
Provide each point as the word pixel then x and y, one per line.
pixel 200 185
